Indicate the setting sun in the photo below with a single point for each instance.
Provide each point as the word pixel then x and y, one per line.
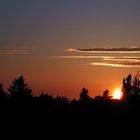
pixel 117 94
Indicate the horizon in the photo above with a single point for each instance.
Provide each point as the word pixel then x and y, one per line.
pixel 63 46
pixel 116 94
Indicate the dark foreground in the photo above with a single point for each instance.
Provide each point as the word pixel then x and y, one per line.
pixel 38 118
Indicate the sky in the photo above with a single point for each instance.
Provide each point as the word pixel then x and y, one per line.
pixel 61 46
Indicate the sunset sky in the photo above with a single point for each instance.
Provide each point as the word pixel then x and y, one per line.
pixel 61 46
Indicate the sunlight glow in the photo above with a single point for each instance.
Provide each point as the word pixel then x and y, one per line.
pixel 117 94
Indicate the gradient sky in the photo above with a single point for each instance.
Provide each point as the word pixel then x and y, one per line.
pixel 41 39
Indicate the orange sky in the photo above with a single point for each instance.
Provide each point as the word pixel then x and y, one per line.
pixel 62 46
pixel 64 76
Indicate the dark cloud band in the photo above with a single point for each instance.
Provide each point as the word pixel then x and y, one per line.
pixel 106 50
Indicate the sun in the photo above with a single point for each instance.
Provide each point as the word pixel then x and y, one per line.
pixel 117 94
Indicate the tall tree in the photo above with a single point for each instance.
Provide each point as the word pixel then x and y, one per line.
pixel 136 85
pixel 19 88
pixel 131 86
pixel 127 87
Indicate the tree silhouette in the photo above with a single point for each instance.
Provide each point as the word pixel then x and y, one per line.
pixel 131 87
pixel 84 95
pixel 20 89
pixel 98 98
pixel 136 85
pixel 2 93
pixel 45 96
pixel 62 100
pixel 106 95
pixel 50 112
pixel 127 87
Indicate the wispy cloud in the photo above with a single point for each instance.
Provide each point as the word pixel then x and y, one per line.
pixel 111 61
pixel 122 59
pixel 121 62
pixel 112 57
pixel 103 57
pixel 122 65
pixel 134 49
pixel 15 51
pixel 83 57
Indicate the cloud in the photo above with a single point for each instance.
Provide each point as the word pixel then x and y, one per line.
pixel 83 57
pixel 134 49
pixel 15 51
pixel 124 57
pixel 110 61
pixel 103 57
pixel 117 64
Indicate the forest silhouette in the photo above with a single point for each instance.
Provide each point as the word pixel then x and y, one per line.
pixel 22 112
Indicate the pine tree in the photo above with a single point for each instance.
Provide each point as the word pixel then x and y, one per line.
pixel 20 89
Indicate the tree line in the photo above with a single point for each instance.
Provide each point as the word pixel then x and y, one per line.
pixel 23 113
pixel 20 90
